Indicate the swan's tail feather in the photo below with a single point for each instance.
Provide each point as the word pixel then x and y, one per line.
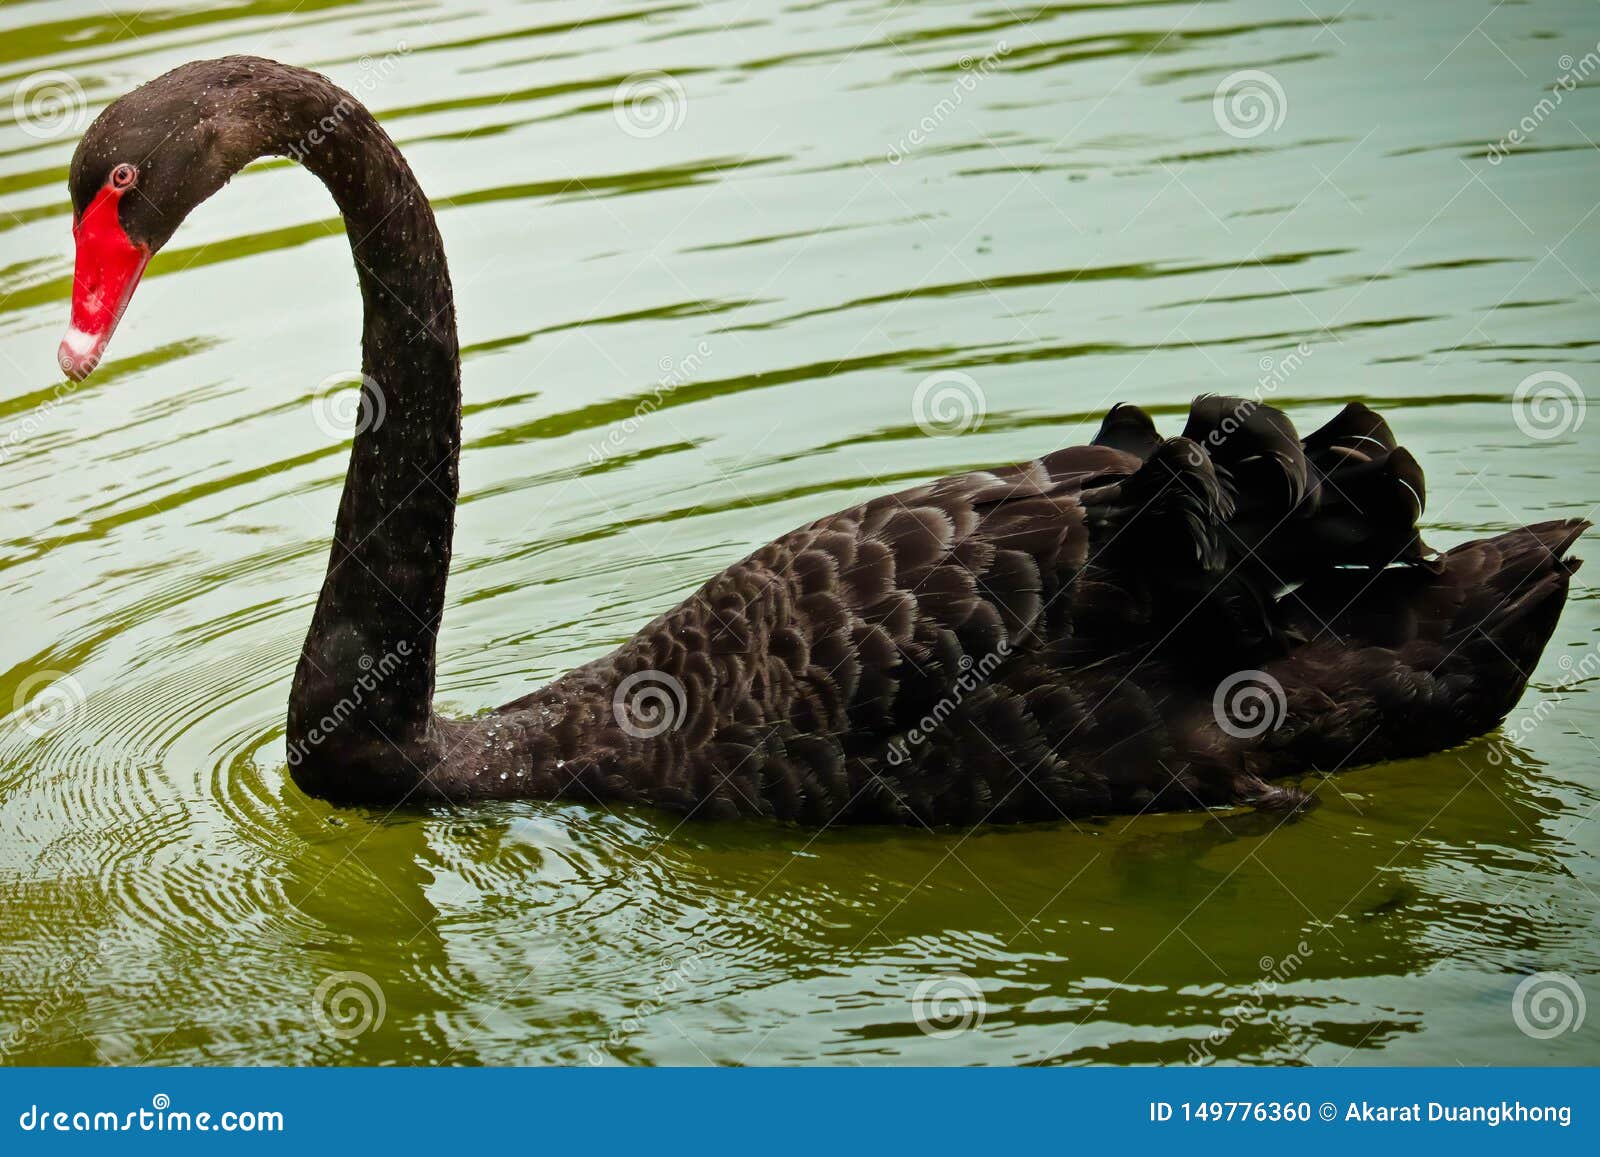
pixel 1517 584
pixel 1443 653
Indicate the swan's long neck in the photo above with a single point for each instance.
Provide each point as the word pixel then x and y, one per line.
pixel 368 661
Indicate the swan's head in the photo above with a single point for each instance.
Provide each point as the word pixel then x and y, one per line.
pixel 147 160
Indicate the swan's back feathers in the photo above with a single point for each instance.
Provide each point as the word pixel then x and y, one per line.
pixel 1047 639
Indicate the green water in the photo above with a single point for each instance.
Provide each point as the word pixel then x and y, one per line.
pixel 846 199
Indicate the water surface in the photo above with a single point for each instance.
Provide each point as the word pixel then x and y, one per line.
pixel 764 226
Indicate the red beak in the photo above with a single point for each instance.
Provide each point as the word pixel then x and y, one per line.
pixel 108 269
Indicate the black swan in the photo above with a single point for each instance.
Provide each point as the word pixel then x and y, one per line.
pixel 1139 623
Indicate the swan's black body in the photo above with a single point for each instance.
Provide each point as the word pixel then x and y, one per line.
pixel 1080 634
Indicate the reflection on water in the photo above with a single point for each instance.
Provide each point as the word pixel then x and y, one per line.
pixel 704 257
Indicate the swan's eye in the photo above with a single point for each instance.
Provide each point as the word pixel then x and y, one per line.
pixel 123 176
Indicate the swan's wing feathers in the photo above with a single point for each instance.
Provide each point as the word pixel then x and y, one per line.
pixel 860 628
pixel 919 636
pixel 1129 429
pixel 1345 496
pixel 1356 429
pixel 1366 515
pixel 1049 639
pixel 1255 447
